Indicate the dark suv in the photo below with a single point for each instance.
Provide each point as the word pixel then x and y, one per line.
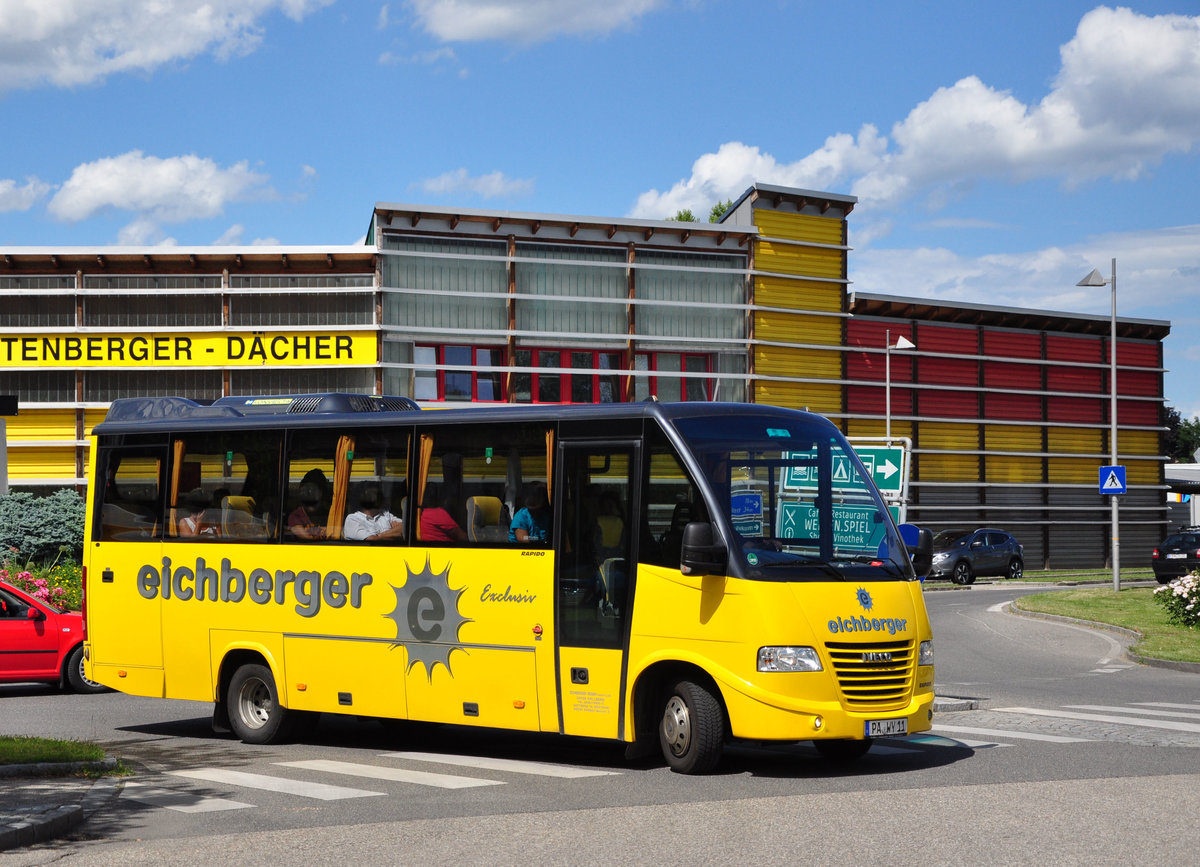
pixel 960 555
pixel 1177 555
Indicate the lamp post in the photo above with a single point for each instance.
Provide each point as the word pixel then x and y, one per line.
pixel 902 342
pixel 1094 279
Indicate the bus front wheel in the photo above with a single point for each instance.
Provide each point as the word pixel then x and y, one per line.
pixel 692 728
pixel 255 714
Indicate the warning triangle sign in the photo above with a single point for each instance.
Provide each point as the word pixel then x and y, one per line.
pixel 1112 483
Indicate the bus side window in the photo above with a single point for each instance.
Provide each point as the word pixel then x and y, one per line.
pixel 671 502
pixel 130 497
pixel 236 473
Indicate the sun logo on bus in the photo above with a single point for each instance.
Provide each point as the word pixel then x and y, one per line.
pixel 427 618
pixel 864 599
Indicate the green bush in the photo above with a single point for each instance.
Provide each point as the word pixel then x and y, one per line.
pixel 1181 598
pixel 42 530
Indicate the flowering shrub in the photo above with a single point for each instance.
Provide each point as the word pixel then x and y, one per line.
pixel 1181 598
pixel 60 584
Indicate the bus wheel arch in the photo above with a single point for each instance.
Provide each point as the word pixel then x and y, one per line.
pixel 679 708
pixel 248 698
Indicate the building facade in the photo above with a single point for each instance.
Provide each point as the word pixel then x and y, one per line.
pixel 1006 410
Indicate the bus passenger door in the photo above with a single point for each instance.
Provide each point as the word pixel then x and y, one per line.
pixel 596 507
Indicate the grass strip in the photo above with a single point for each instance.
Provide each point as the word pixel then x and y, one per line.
pixel 27 749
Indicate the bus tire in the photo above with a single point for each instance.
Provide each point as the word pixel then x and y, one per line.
pixel 691 729
pixel 75 678
pixel 255 714
pixel 843 749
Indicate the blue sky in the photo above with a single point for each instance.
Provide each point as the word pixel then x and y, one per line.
pixel 999 150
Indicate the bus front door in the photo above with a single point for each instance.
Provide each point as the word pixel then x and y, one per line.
pixel 595 509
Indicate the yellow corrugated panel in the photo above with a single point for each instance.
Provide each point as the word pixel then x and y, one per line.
pixel 797 328
pixel 800 363
pixel 947 468
pixel 1004 468
pixel 799 227
pixel 943 435
pixel 41 463
pixel 1141 472
pixel 1138 442
pixel 1010 438
pixel 798 395
pixel 800 294
pixel 792 259
pixel 869 427
pixel 1074 440
pixel 1073 471
pixel 91 418
pixel 41 424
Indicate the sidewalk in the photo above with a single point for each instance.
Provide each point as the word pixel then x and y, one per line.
pixel 38 803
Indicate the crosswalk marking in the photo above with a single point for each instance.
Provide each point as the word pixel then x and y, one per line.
pixel 1138 710
pixel 180 802
pixel 1030 736
pixel 1193 706
pixel 320 791
pixel 1109 718
pixel 515 766
pixel 398 775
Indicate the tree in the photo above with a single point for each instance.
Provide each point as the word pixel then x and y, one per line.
pixel 1181 438
pixel 718 210
pixel 683 215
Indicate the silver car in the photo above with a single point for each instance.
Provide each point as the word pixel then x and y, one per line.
pixel 961 555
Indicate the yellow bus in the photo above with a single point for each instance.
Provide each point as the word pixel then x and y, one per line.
pixel 672 574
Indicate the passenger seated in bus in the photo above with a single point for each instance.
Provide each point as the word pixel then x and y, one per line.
pixel 438 525
pixel 532 522
pixel 372 522
pixel 196 522
pixel 308 519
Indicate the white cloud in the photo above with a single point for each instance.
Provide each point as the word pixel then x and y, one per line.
pixel 169 190
pixel 21 198
pixel 525 21
pixel 487 186
pixel 1124 98
pixel 72 42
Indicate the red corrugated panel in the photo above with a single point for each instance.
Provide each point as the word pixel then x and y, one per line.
pixel 1136 382
pixel 1061 348
pixel 1083 379
pixel 1137 354
pixel 946 404
pixel 872 400
pixel 998 374
pixel 1084 410
pixel 1012 344
pixel 945 371
pixel 1012 407
pixel 1136 412
pixel 873 332
pixel 941 338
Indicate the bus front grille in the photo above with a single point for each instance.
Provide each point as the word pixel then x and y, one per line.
pixel 876 674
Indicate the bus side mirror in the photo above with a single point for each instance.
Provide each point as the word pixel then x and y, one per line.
pixel 919 542
pixel 700 554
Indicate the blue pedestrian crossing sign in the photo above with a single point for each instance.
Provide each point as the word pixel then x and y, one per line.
pixel 1112 480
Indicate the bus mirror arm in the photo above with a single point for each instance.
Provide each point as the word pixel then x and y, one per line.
pixel 922 555
pixel 700 554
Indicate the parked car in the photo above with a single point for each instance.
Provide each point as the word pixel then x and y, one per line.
pixel 961 555
pixel 39 642
pixel 1177 555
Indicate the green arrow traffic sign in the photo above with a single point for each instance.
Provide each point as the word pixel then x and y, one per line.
pixel 887 466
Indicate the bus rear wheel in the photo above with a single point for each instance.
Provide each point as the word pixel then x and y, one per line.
pixel 691 730
pixel 255 714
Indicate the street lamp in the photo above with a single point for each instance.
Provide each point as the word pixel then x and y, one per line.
pixel 1094 279
pixel 902 342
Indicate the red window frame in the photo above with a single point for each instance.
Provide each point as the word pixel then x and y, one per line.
pixel 685 383
pixel 475 376
pixel 570 385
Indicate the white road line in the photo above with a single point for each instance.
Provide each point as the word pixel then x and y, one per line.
pixel 999 607
pixel 320 791
pixel 1005 733
pixel 1095 717
pixel 181 802
pixel 1133 710
pixel 397 775
pixel 514 765
pixel 1193 706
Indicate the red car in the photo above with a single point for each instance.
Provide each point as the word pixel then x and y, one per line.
pixel 39 642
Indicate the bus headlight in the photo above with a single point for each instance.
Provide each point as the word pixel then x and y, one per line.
pixel 925 653
pixel 788 659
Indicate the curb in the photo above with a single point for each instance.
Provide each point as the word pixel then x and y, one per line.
pixel 39 823
pixel 56 769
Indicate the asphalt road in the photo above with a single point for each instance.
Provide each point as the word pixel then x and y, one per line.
pixel 1073 754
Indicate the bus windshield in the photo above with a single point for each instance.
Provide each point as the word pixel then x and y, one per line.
pixel 797 501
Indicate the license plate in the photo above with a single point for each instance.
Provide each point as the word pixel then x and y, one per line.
pixel 886 728
pixel 1177 556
